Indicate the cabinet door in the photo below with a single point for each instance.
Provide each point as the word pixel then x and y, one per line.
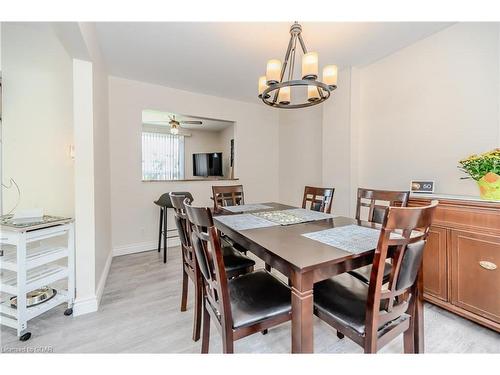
pixel 435 264
pixel 475 273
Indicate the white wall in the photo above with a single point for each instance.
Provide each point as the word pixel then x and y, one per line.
pixel 300 151
pixel 134 216
pixel 37 119
pixel 336 144
pixel 429 105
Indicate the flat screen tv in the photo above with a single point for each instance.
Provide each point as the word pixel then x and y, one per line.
pixel 209 164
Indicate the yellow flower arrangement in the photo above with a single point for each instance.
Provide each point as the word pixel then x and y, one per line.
pixel 485 169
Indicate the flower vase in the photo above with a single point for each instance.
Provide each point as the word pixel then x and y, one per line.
pixel 489 186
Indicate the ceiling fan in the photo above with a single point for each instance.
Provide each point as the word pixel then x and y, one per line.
pixel 176 124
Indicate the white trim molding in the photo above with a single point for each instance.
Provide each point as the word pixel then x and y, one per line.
pixel 85 305
pixel 104 277
pixel 142 246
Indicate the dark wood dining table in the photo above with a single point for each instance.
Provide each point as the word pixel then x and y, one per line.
pixel 305 262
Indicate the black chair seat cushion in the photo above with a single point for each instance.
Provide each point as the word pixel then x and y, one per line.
pixel 235 260
pixel 363 273
pixel 343 298
pixel 257 296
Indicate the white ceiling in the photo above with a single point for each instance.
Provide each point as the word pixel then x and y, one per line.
pixel 158 118
pixel 226 59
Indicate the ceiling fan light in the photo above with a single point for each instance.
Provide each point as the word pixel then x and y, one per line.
pixel 174 130
pixel 310 65
pixel 273 71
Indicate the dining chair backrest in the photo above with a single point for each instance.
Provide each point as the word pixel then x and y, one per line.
pixel 206 244
pixel 227 196
pixel 319 199
pixel 376 212
pixel 183 227
pixel 404 232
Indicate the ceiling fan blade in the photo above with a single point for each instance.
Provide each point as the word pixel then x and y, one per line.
pixel 192 122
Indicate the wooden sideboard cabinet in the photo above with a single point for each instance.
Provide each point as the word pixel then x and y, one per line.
pixel 462 258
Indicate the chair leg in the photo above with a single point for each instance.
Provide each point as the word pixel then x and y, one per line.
pixel 184 290
pixel 268 267
pixel 165 236
pixel 227 343
pixel 340 335
pixel 161 229
pixel 408 342
pixel 197 311
pixel 264 332
pixel 205 338
pixel 370 346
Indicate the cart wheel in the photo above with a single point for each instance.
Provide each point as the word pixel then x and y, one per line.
pixel 68 311
pixel 25 337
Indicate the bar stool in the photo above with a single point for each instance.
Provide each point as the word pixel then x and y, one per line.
pixel 164 202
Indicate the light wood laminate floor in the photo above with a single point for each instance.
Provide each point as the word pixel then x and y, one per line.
pixel 139 312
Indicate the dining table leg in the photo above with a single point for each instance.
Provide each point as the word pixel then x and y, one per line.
pixel 302 312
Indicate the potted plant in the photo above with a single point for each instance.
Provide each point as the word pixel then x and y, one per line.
pixel 485 170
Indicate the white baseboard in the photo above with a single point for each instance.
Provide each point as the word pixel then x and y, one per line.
pixel 91 304
pixel 85 306
pixel 142 246
pixel 104 276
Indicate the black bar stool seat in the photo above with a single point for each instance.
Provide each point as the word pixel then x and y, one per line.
pixel 165 203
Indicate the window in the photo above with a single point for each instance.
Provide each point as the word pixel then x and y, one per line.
pixel 162 156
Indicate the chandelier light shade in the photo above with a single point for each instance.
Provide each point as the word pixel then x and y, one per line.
pixel 275 88
pixel 312 93
pixel 284 96
pixel 262 85
pixel 273 71
pixel 330 75
pixel 310 65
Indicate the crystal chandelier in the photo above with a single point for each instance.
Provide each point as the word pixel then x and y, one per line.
pixel 277 92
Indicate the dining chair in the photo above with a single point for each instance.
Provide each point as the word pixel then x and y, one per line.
pixel 235 263
pixel 319 199
pixel 224 196
pixel 376 213
pixel 227 196
pixel 241 306
pixel 373 314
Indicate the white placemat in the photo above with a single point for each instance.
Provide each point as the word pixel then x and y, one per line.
pixel 244 221
pixel 308 215
pixel 246 207
pixel 351 238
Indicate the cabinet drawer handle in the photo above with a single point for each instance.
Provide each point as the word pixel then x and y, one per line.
pixel 487 265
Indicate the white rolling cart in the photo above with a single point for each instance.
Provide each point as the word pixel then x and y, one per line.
pixel 30 260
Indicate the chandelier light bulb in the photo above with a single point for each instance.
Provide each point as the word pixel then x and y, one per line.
pixel 310 65
pixel 330 75
pixel 262 85
pixel 174 130
pixel 284 95
pixel 273 71
pixel 312 93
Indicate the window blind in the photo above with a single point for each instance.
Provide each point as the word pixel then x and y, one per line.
pixel 162 156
